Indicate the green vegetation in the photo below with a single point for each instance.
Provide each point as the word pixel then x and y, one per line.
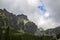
pixel 11 34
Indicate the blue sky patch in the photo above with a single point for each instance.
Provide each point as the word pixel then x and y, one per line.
pixel 42 8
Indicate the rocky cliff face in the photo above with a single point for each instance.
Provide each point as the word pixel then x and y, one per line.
pixel 19 22
pixel 53 31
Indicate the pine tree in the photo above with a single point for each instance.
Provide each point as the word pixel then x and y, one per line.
pixel 7 34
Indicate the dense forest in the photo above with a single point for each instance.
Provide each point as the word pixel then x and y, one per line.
pixel 19 27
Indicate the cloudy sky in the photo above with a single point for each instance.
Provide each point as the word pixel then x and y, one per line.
pixel 44 13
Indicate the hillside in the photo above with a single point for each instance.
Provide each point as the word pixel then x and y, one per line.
pixel 53 31
pixel 19 27
pixel 19 22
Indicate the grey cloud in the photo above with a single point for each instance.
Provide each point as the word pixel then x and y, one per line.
pixel 53 6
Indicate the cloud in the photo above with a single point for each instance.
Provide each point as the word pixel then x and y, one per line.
pixel 34 2
pixel 53 6
pixel 30 8
pixel 46 22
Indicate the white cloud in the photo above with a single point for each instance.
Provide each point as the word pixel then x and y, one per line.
pixel 47 14
pixel 47 23
pixel 53 6
pixel 33 2
pixel 29 8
